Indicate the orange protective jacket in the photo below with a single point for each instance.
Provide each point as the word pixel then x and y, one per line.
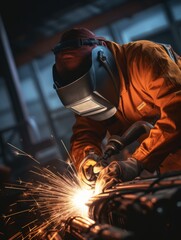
pixel 150 90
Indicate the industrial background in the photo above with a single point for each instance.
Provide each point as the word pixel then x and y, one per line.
pixel 32 117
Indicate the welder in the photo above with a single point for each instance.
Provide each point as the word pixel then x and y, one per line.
pixel 109 87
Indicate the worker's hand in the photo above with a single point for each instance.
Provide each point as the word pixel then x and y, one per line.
pixel 117 171
pixel 86 170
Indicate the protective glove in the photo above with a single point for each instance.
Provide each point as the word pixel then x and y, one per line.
pixel 86 170
pixel 117 171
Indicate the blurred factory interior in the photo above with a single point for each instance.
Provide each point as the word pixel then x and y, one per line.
pixel 32 117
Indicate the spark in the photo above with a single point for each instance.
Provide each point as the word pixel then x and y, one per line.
pixel 7 220
pixel 54 198
pixel 15 187
pixel 13 204
pixel 53 236
pixel 13 214
pixel 30 223
pixel 66 149
pixel 16 235
pixel 22 153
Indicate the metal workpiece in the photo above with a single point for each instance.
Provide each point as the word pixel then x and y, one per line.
pixel 85 228
pixel 142 206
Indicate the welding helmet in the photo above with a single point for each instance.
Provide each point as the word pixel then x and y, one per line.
pixel 95 94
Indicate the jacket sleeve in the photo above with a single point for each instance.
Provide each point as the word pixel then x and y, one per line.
pixel 87 137
pixel 162 78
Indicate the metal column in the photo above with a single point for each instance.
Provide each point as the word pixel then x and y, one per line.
pixel 10 74
pixel 173 26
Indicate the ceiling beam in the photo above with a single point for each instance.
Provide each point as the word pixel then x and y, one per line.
pixel 127 9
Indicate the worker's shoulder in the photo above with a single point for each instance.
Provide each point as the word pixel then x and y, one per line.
pixel 141 45
pixel 141 49
pixel 137 50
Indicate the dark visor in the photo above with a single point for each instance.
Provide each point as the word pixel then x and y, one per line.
pixel 76 43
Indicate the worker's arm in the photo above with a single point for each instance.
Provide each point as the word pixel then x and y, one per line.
pixel 162 79
pixel 86 139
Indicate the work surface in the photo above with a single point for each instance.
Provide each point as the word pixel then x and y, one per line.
pixel 140 209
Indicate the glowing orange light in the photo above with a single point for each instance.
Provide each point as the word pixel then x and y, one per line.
pixel 80 199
